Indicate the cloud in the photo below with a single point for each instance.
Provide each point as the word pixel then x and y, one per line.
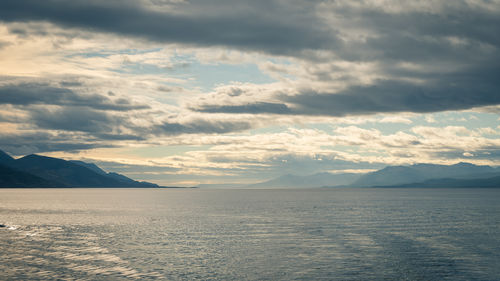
pixel 415 58
pixel 102 75
pixel 200 126
pixel 395 119
pixel 394 96
pixel 256 108
pixel 437 29
pixel 27 142
pixel 383 97
pixel 203 23
pixel 430 119
pixel 25 94
pixel 355 58
pixel 353 30
pixel 4 44
pixel 66 117
pixel 259 156
pixel 72 119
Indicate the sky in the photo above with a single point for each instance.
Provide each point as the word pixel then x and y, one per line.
pixel 182 92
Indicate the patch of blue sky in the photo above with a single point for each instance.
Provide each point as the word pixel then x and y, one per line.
pixel 469 120
pixel 208 76
pixel 281 65
pixel 326 127
pixel 385 128
pixel 203 76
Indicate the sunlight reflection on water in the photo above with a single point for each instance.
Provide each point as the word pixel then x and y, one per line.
pixel 331 234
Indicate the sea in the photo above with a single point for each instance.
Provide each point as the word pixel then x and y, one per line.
pixel 238 234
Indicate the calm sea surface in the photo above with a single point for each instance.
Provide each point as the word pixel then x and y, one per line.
pixel 322 234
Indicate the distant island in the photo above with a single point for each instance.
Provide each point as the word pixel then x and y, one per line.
pixel 35 171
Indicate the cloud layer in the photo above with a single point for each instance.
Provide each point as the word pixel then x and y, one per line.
pixel 383 97
pixel 426 57
pixel 271 26
pixel 243 89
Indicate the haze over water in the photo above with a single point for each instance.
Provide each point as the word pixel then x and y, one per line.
pixel 328 234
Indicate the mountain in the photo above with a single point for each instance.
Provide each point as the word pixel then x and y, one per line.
pixel 123 179
pixel 5 159
pixel 447 182
pixel 316 180
pixel 41 171
pixel 10 177
pixel 119 177
pixel 90 166
pixel 400 175
pixel 53 172
pixel 70 174
pixel 418 175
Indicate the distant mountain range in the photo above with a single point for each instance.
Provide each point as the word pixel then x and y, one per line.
pixel 41 171
pixel 418 175
pixel 316 180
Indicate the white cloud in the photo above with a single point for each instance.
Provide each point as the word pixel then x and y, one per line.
pixel 395 119
pixel 430 119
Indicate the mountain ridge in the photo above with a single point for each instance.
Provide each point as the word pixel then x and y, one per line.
pixel 10 177
pixel 491 182
pixel 314 180
pixel 416 175
pixel 41 171
pixel 54 172
pixel 400 175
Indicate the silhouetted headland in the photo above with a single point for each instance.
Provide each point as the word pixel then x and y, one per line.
pixel 35 171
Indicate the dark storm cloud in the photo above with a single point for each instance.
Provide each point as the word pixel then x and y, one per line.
pixel 384 96
pixel 67 129
pixel 119 137
pixel 260 107
pixel 456 91
pixel 454 53
pixel 270 26
pixel 75 129
pixel 97 125
pixel 201 127
pixel 37 142
pixel 461 36
pixel 73 119
pixel 421 35
pixel 390 97
pixel 25 94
